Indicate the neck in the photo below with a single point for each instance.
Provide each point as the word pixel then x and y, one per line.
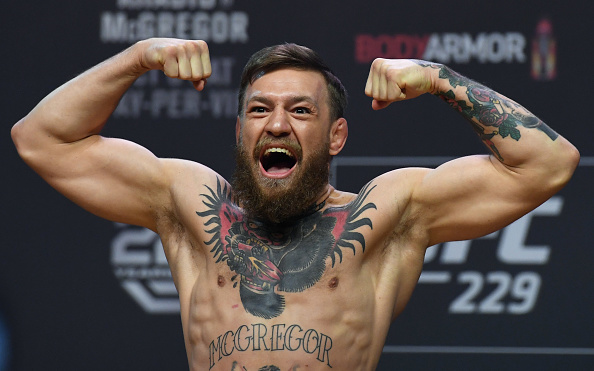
pixel 323 197
pixel 318 205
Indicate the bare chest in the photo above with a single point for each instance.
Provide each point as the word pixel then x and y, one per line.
pixel 279 293
pixel 320 327
pixel 265 262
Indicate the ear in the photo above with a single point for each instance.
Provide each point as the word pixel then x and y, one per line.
pixel 237 130
pixel 339 132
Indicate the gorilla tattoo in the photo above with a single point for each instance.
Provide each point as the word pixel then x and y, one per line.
pixel 280 258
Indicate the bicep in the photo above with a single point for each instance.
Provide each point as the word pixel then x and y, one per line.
pixel 112 178
pixel 470 197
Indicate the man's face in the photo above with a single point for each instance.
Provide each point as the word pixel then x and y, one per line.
pixel 285 141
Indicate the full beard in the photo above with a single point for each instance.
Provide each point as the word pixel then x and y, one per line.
pixel 279 200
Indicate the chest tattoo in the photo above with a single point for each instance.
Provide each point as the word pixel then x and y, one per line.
pixel 271 259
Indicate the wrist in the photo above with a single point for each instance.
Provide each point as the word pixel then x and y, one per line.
pixel 441 84
pixel 135 56
pixel 431 76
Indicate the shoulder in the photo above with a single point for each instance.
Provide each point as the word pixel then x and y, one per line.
pixel 186 177
pixel 393 192
pixel 388 202
pixel 178 169
pixel 402 181
pixel 188 182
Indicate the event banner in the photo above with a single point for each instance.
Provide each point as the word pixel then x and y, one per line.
pixel 81 293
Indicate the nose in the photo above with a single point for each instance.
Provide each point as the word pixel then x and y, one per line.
pixel 278 124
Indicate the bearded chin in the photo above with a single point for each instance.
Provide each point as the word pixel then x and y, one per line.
pixel 280 200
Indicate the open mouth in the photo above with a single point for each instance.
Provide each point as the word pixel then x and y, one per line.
pixel 277 162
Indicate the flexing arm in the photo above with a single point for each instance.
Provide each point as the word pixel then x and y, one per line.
pixel 476 195
pixel 112 178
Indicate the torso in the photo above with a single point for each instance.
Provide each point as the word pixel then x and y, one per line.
pixel 307 296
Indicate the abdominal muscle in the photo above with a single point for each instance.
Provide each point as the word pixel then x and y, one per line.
pixel 332 325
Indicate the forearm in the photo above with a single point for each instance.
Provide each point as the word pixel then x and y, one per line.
pixel 516 137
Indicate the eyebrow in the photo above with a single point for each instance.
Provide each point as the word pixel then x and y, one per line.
pixel 292 100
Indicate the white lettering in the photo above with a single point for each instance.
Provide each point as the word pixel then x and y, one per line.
pixel 496 293
pixel 222 71
pixel 239 24
pixel 114 27
pixel 472 47
pixel 165 23
pixel 453 46
pixel 223 103
pixel 220 27
pixel 200 29
pixel 166 99
pixel 177 103
pixel 495 48
pixel 183 23
pixel 143 28
pixel 516 43
pixel 460 48
pixel 435 51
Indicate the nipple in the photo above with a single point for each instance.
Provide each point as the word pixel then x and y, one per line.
pixel 333 284
pixel 221 281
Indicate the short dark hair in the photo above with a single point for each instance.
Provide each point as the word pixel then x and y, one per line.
pixel 289 55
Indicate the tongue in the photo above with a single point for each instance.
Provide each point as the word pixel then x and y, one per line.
pixel 278 169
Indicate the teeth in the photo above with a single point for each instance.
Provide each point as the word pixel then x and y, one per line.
pixel 278 150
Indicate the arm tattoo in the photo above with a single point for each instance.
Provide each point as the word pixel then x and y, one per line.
pixel 269 259
pixel 489 113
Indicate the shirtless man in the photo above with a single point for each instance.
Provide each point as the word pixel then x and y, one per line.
pixel 282 271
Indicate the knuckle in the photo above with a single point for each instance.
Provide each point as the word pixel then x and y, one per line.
pixel 377 63
pixel 171 51
pixel 202 46
pixel 192 47
pixel 180 50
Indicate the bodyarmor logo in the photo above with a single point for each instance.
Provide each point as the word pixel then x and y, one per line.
pixel 444 48
pixel 139 263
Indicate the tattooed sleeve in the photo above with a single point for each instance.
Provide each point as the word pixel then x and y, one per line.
pixel 489 113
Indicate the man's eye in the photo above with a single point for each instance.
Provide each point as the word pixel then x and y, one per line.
pixel 258 109
pixel 302 110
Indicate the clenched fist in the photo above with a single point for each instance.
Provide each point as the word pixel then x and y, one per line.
pixel 181 59
pixel 392 80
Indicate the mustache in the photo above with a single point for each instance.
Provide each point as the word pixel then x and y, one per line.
pixel 291 145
